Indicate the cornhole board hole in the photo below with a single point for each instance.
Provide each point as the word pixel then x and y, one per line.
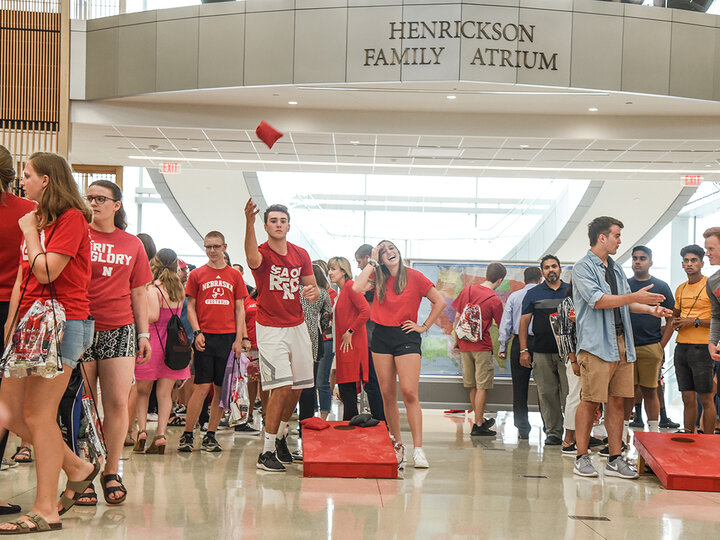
pixel 680 460
pixel 344 451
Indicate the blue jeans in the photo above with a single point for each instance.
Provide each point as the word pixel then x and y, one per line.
pixel 322 381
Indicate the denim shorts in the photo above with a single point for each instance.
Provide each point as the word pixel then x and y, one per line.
pixel 77 339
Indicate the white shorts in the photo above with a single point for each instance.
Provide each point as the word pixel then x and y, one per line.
pixel 285 357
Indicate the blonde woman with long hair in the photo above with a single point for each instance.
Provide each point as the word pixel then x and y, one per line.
pixel 396 341
pixel 165 298
pixel 56 240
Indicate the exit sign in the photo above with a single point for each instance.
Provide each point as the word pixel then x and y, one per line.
pixel 691 180
pixel 169 167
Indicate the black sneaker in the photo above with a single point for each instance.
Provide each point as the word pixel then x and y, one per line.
pixel 210 444
pixel 637 422
pixel 569 450
pixel 268 462
pixel 595 442
pixel 297 456
pixel 246 429
pixel 668 424
pixel 487 423
pixel 482 431
pixel 605 452
pixel 186 442
pixel 552 440
pixel 281 450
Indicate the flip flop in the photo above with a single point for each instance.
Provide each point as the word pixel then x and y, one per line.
pixel 78 487
pixel 23 527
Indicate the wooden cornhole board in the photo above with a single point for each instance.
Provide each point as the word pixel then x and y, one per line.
pixel 680 460
pixel 340 452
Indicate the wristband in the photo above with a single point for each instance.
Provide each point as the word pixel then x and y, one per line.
pixel 373 262
pixel 243 339
pixel 145 335
pixel 523 350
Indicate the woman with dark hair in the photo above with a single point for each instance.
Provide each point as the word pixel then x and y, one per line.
pixel 118 303
pixel 12 208
pixel 147 242
pixel 165 298
pixel 56 250
pixel 351 313
pixel 396 337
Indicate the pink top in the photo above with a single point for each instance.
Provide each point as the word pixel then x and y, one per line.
pixel 156 369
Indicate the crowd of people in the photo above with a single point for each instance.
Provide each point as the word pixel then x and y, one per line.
pixel 594 345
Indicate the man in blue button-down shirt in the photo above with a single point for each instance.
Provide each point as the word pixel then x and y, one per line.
pixel 605 349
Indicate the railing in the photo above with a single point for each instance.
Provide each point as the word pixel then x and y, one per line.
pixel 94 9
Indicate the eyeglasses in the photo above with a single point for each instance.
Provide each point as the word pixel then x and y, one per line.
pixel 215 247
pixel 100 199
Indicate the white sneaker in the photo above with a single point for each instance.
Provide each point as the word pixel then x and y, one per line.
pixel 419 459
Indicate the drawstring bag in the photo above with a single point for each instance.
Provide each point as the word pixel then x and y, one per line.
pixel 177 349
pixel 234 394
pixel 34 348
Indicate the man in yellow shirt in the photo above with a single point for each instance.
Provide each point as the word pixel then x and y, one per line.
pixel 691 320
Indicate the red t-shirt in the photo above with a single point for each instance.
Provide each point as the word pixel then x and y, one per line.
pixel 119 264
pixel 12 208
pixel 215 292
pixel 278 284
pixel 491 308
pixel 250 316
pixel 67 236
pixel 395 309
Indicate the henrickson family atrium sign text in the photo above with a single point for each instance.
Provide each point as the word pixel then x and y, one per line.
pixel 506 35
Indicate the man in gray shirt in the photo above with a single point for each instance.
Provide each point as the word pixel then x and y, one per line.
pixel 712 250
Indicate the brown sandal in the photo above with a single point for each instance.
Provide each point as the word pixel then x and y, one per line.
pixel 139 447
pixel 157 448
pixel 23 527
pixel 78 487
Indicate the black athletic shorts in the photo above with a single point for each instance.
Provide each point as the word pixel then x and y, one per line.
pixel 694 368
pixel 393 340
pixel 210 363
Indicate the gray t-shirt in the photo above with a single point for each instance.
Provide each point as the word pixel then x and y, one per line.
pixel 713 291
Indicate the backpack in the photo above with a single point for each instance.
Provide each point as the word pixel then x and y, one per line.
pixel 177 348
pixel 469 326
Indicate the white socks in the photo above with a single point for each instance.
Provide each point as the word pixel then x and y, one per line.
pixel 626 429
pixel 654 426
pixel 269 445
pixel 282 429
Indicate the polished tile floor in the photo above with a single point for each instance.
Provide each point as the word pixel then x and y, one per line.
pixel 486 488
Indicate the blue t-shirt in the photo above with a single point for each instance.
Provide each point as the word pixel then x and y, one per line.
pixel 647 328
pixel 541 301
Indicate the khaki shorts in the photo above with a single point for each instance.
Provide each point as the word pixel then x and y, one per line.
pixel 599 378
pixel 478 369
pixel 647 365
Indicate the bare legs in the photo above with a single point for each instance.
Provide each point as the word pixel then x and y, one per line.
pixel 406 368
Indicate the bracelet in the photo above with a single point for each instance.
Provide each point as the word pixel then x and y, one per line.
pixel 523 350
pixel 373 262
pixel 425 326
pixel 145 335
pixel 196 332
pixel 243 339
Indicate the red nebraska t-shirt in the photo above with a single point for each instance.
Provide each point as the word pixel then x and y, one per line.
pixel 491 308
pixel 12 208
pixel 119 264
pixel 68 236
pixel 278 284
pixel 395 309
pixel 250 316
pixel 215 292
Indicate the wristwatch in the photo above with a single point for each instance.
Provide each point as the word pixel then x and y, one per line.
pixel 350 331
pixel 196 332
pixel 524 350
pixel 243 339
pixel 697 322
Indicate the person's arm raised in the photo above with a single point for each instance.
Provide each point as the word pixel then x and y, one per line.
pixel 252 253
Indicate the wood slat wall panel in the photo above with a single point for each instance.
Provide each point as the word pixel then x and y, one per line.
pixel 29 77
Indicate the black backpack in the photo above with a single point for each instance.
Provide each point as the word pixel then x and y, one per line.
pixel 177 348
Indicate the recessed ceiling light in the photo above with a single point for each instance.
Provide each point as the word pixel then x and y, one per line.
pixel 524 146
pixel 292 102
pixel 593 109
pixel 354 142
pixel 194 149
pixel 451 97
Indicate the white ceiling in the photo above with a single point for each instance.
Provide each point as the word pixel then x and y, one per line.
pixel 408 129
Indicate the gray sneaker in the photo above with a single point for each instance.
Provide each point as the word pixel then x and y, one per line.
pixel 584 467
pixel 620 468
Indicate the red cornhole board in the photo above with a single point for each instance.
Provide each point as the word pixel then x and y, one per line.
pixel 681 460
pixel 354 453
